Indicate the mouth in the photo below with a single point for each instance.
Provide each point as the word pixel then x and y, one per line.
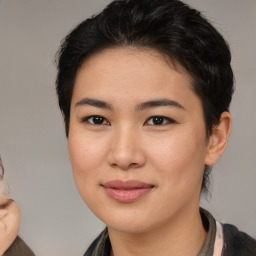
pixel 126 191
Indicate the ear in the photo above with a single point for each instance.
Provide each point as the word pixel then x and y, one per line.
pixel 218 140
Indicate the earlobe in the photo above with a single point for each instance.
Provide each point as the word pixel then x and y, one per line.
pixel 218 139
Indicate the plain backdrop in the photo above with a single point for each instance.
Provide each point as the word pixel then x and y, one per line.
pixel 33 146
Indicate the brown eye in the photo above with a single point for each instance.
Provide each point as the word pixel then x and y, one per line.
pixel 96 120
pixel 159 120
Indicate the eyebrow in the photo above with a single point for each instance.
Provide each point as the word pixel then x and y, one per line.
pixel 94 103
pixel 4 205
pixel 159 103
pixel 145 105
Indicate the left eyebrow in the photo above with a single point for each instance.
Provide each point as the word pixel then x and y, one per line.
pixel 159 103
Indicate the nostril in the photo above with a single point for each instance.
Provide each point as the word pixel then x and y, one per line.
pixel 133 165
pixel 125 166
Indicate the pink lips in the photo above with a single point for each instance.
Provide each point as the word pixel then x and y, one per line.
pixel 126 191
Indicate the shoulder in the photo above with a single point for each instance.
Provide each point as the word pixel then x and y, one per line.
pixel 237 243
pixel 19 247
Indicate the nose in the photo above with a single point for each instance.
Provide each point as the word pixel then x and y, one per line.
pixel 126 151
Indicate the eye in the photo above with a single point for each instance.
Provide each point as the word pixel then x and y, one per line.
pixel 159 120
pixel 96 120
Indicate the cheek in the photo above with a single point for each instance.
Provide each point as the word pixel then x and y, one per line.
pixel 179 157
pixel 85 157
pixel 177 147
pixel 85 153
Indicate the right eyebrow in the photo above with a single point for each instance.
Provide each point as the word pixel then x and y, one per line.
pixel 94 103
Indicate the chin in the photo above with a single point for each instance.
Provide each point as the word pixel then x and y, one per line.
pixel 129 228
pixel 132 222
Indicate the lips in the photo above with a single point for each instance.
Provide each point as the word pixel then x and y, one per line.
pixel 126 191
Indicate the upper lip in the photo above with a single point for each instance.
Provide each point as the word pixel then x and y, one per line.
pixel 129 184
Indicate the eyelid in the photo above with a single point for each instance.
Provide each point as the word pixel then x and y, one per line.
pixel 86 120
pixel 168 119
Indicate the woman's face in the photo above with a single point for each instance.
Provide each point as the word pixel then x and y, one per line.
pixel 137 139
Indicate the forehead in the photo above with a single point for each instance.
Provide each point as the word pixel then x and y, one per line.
pixel 132 74
pixel 137 57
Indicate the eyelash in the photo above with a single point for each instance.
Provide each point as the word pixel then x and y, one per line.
pixel 165 120
pixel 86 120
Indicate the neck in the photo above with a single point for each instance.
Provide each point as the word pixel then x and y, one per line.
pixel 183 235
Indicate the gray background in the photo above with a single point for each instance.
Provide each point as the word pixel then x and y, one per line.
pixel 55 221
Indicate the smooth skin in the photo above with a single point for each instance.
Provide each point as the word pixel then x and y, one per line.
pixel 9 223
pixel 134 116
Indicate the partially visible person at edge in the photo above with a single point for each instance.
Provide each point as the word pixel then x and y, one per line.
pixel 10 243
pixel 145 87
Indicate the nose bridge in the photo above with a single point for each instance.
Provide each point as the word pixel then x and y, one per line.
pixel 126 149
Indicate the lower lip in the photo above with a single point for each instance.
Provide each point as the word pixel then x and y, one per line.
pixel 127 195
